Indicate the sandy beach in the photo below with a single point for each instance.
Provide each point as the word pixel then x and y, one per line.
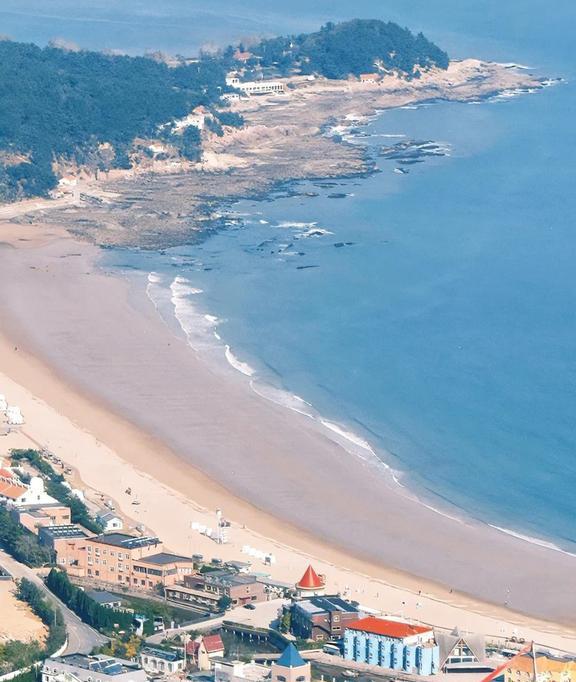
pixel 104 384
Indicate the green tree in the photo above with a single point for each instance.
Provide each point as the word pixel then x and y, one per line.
pixel 224 603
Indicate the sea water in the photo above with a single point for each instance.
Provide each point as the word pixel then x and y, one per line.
pixel 431 315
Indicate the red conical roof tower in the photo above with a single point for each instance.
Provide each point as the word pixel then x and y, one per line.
pixel 310 580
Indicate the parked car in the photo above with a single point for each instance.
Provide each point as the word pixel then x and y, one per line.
pixel 249 606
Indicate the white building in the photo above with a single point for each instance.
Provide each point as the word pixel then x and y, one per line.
pixel 81 668
pixel 238 671
pixel 261 87
pixel 14 415
pixel 160 661
pixel 15 493
pixel 110 521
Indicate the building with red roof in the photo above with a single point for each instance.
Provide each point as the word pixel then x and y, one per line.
pixel 311 583
pixel 393 629
pixel 204 649
pixel 392 644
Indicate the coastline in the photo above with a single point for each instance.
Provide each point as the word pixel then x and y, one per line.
pixel 165 204
pixel 51 325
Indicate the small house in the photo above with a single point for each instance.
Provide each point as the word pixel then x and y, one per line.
pixel 109 520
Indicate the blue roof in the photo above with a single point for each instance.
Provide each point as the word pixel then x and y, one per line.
pixel 290 658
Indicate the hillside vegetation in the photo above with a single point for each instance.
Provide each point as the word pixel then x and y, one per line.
pixel 56 103
pixel 352 48
pixel 86 109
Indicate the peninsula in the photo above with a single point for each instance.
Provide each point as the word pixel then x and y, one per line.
pixel 188 136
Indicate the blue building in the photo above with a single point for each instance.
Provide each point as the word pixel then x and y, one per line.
pixel 393 645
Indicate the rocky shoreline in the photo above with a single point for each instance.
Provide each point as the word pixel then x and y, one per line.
pixel 284 140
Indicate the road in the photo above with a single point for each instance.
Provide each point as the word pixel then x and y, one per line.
pixel 81 638
pixel 262 616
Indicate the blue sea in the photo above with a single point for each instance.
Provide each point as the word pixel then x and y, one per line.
pixel 431 314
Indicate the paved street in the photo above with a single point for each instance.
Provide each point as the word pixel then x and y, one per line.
pixel 81 637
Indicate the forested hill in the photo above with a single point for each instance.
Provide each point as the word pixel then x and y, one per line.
pixel 353 47
pixel 87 108
pixel 57 103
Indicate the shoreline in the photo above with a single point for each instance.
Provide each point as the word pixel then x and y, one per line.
pixel 160 462
pixel 157 206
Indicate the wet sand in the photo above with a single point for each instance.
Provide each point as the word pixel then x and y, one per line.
pixel 139 388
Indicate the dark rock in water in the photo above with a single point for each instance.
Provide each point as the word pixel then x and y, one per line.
pixel 337 195
pixel 412 151
pixel 306 267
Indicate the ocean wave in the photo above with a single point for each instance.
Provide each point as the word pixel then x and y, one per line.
pixel 513 65
pixel 314 232
pixel 243 367
pixel 197 326
pixel 300 226
pixel 533 541
pixel 352 438
pixel 291 401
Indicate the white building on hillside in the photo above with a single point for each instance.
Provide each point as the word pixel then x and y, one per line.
pixel 261 87
pixel 17 494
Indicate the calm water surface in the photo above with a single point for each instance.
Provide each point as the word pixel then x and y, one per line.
pixel 443 330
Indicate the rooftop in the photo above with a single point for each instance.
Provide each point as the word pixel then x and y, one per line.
pixel 41 506
pixel 388 628
pixel 290 658
pixel 165 558
pixel 105 515
pixel 213 643
pixel 67 531
pixel 310 580
pixel 545 664
pixel 11 490
pixel 102 596
pixel 165 654
pixel 125 540
pixel 105 665
pixel 316 605
pixel 227 578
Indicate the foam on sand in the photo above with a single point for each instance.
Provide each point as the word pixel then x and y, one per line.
pixel 242 367
pixel 532 540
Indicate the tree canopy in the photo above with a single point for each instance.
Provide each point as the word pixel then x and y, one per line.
pixel 351 48
pixel 57 103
